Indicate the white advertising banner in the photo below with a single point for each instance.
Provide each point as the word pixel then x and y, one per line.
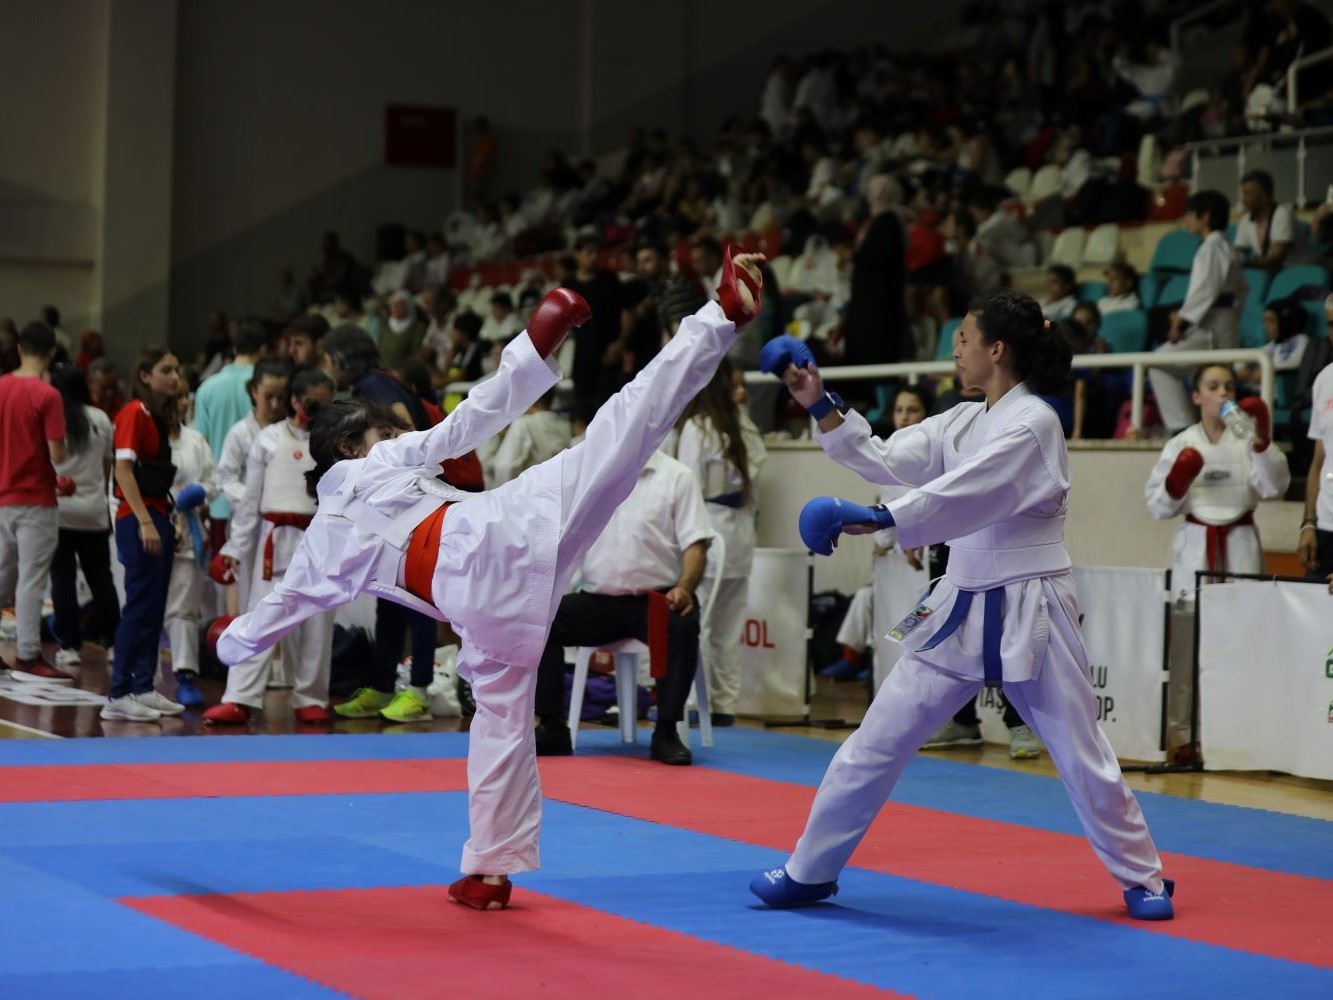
pixel 898 588
pixel 1124 624
pixel 1266 677
pixel 774 643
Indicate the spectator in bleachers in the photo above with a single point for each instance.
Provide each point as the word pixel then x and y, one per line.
pixel 1266 233
pixel 1149 68
pixel 1285 339
pixel 435 270
pixel 1089 317
pixel 292 298
pixel 404 332
pixel 875 329
pixel 438 306
pixel 352 360
pixel 1061 292
pixel 537 435
pixel 486 237
pixel 976 272
pixel 337 270
pixel 466 353
pixel 817 89
pixel 775 106
pixel 1000 233
pixel 1286 30
pixel 594 381
pixel 303 338
pixel 1122 289
pixel 1208 318
pixel 348 310
pixel 706 259
pixel 644 328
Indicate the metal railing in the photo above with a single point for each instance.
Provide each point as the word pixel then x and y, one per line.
pixel 1197 14
pixel 1241 142
pixel 1299 63
pixel 1138 363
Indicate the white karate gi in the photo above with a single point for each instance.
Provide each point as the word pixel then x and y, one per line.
pixel 1212 306
pixel 897 587
pixel 275 484
pixel 193 458
pixel 699 449
pixel 995 483
pixel 231 481
pixel 1233 480
pixel 506 555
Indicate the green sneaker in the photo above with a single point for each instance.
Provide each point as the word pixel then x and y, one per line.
pixel 365 704
pixel 407 706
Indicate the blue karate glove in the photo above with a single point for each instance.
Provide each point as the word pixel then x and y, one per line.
pixel 191 497
pixel 823 519
pixel 782 351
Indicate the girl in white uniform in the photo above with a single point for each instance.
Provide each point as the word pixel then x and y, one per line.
pixel 720 445
pixel 993 480
pixel 268 393
pixel 193 459
pixel 497 565
pixel 276 509
pixel 1215 480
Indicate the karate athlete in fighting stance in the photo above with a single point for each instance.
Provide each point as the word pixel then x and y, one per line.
pixel 993 481
pixel 494 564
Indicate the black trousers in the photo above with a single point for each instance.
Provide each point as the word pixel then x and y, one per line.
pixel 393 623
pixel 1325 557
pixel 597 619
pixel 92 551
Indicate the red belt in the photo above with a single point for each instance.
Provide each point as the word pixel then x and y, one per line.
pixel 423 552
pixel 301 521
pixel 1215 539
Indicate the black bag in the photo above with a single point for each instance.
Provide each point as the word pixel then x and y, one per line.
pixel 827 610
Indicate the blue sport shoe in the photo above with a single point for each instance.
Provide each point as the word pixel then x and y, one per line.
pixel 186 693
pixel 778 889
pixel 1145 905
pixel 840 670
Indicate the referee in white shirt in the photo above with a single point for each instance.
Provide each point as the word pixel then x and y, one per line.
pixel 657 540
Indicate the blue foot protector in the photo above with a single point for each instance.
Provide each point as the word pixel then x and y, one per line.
pixel 840 670
pixel 776 888
pixel 1145 905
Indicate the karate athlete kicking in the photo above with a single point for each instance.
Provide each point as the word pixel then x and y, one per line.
pixel 494 564
pixel 993 481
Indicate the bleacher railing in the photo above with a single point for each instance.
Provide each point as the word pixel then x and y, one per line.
pixel 1299 139
pixel 1138 363
pixel 1301 62
pixel 1200 13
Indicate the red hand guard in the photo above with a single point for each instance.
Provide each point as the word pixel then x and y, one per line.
pixel 1189 463
pixel 220 572
pixel 1263 421
pixel 728 295
pixel 559 312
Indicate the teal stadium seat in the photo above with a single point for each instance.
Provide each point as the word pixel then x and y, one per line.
pixel 1173 292
pixel 944 349
pixel 1092 290
pixel 1175 252
pixel 1126 332
pixel 1291 280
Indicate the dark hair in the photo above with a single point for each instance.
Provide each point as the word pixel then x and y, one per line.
pixel 349 296
pixel 251 338
pixel 269 368
pixel 1261 177
pixel 1089 305
pixel 336 422
pixel 1065 273
pixel 37 339
pixel 1213 204
pixel 1198 374
pixel 416 375
pixel 709 245
pixel 101 366
pixel 468 324
pixel 715 405
pixel 301 383
pixel 313 325
pixel 162 413
pixel 585 240
pixel 503 300
pixel 1292 318
pixel 51 315
pixel 1125 268
pixel 72 384
pixel 1041 356
pixel 921 393
pixel 353 351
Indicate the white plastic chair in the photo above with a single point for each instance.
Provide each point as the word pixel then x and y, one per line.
pixel 1102 246
pixel 627 653
pixel 1046 182
pixel 781 266
pixel 1068 247
pixel 1018 181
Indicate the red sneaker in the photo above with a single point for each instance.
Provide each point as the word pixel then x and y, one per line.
pixel 471 891
pixel 312 714
pixel 227 714
pixel 39 670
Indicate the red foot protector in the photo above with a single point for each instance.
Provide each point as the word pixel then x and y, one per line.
pixel 471 890
pixel 387 943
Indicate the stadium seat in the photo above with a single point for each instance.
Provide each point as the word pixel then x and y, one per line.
pixel 1018 181
pixel 1149 286
pixel 1147 161
pixel 1173 292
pixel 1257 281
pixel 1291 280
pixel 1046 182
pixel 1102 245
pixel 1318 326
pixel 1091 290
pixel 944 347
pixel 781 268
pixel 1126 331
pixel 1068 247
pixel 1175 252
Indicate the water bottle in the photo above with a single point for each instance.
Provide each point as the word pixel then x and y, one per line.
pixel 1237 420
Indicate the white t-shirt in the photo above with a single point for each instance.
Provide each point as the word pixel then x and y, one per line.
pixel 642 546
pixel 1321 429
pixel 1281 229
pixel 1287 355
pixel 87 509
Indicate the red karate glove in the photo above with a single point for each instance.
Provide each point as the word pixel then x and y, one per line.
pixel 1189 463
pixel 220 572
pixel 215 631
pixel 64 486
pixel 728 293
pixel 1263 421
pixel 559 312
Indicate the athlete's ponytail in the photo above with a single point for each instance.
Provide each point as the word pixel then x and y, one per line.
pixel 1041 354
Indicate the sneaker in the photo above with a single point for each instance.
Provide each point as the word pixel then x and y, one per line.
pixel 186 692
pixel 129 710
pixel 364 704
pixel 554 741
pixel 40 670
pixel 840 670
pixel 1024 744
pixel 954 735
pixel 407 706
pixel 68 658
pixel 159 703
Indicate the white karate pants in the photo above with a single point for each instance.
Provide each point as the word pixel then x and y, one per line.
pixel 305 659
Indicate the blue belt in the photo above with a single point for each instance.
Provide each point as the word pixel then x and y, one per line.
pixel 991 629
pixel 733 500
